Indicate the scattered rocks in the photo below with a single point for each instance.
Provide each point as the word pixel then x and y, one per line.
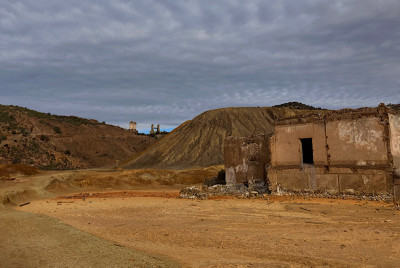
pixel 345 196
pixel 239 190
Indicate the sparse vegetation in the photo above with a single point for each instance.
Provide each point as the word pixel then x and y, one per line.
pixel 17 157
pixel 44 138
pixel 34 147
pixel 74 120
pixel 57 130
pixel 26 137
pixel 394 106
pixel 297 105
pixel 53 166
pixel 6 117
pixel 23 131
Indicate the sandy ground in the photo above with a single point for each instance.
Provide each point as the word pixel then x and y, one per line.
pixel 36 240
pixel 30 240
pixel 236 233
pixel 100 218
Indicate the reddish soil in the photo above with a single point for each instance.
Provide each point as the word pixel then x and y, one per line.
pixel 280 231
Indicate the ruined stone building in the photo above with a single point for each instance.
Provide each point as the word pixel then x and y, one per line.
pixel 346 151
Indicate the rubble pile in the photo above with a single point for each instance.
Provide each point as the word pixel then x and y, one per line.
pixel 345 195
pixel 238 190
pixel 241 191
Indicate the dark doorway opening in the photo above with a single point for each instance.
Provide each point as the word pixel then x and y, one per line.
pixel 307 149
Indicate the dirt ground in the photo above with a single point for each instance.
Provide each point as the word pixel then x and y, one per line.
pixel 236 233
pixel 31 240
pixel 78 218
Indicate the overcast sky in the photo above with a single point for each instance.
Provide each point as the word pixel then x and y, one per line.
pixel 167 61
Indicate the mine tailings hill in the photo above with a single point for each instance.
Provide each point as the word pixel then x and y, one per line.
pixel 199 142
pixel 63 142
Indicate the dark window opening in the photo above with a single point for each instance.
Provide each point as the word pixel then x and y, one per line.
pixel 307 149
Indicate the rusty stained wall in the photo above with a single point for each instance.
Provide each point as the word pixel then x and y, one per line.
pixel 350 155
pixel 394 126
pixel 245 159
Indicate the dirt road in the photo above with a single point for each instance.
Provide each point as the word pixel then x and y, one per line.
pixel 30 240
pixel 237 233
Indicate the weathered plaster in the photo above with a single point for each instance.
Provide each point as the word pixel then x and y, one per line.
pixel 394 125
pixel 365 136
pixel 286 145
pixel 356 142
pixel 245 159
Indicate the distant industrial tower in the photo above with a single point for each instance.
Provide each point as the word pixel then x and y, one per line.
pixel 132 127
pixel 157 129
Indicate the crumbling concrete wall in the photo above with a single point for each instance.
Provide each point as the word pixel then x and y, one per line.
pixel 350 155
pixel 286 145
pixel 394 126
pixel 246 159
pixel 357 142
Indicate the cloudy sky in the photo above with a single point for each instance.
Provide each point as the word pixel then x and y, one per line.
pixel 166 61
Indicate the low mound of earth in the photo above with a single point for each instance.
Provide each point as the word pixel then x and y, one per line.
pixel 199 142
pixel 8 170
pixel 23 188
pixel 63 142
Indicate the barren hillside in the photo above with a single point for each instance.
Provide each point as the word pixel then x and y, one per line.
pixel 198 142
pixel 63 142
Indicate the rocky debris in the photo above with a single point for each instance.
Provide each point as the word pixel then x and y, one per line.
pixel 238 190
pixel 241 191
pixel 346 195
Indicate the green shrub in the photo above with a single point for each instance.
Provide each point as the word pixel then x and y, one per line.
pixel 34 147
pixel 17 158
pixel 57 130
pixel 44 138
pixel 52 166
pixel 23 131
pixel 6 117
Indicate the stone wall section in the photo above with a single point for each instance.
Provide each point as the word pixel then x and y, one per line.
pixel 394 126
pixel 246 160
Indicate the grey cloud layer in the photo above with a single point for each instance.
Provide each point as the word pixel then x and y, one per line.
pixel 166 61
